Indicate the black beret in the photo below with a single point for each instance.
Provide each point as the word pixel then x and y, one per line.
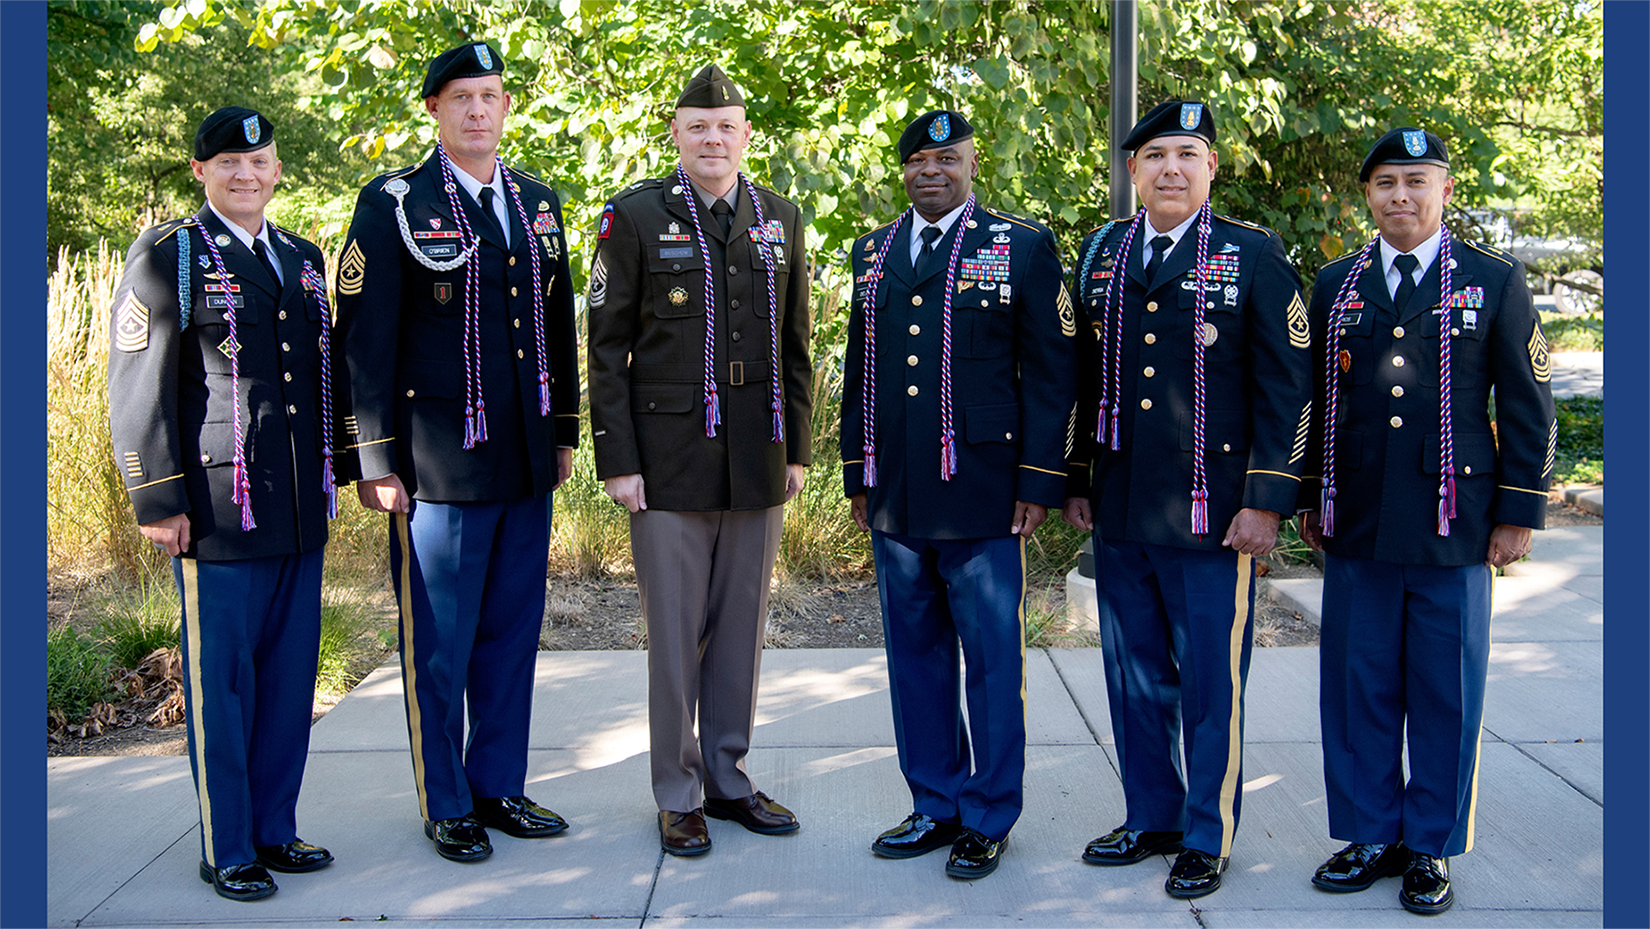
pixel 1172 117
pixel 710 88
pixel 1405 145
pixel 932 130
pixel 232 129
pixel 475 59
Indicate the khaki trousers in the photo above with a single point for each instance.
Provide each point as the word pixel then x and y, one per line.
pixel 703 583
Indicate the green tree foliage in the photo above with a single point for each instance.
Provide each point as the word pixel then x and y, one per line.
pixel 1299 90
pixel 121 124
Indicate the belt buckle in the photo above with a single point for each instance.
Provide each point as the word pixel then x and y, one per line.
pixel 736 374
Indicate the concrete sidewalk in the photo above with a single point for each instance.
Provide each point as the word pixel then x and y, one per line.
pixel 123 838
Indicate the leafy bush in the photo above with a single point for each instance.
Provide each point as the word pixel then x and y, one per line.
pixel 1580 458
pixel 77 672
pixel 1574 333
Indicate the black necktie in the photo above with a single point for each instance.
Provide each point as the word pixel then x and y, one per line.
pixel 487 195
pixel 262 251
pixel 724 215
pixel 1160 247
pixel 930 235
pixel 1406 265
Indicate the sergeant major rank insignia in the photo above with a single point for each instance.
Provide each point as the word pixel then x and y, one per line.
pixel 132 324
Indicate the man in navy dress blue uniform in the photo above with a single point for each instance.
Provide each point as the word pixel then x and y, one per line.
pixel 456 308
pixel 220 411
pixel 956 417
pixel 1195 381
pixel 1418 495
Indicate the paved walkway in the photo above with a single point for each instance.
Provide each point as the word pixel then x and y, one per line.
pixel 123 842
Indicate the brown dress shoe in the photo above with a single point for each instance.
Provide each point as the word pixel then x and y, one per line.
pixel 683 834
pixel 757 812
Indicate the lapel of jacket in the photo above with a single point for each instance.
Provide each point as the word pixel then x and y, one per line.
pixel 520 235
pixel 243 267
pixel 898 262
pixel 1372 287
pixel 1137 268
pixel 744 215
pixel 292 266
pixel 676 205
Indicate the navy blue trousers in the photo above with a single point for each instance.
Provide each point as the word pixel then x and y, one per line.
pixel 1403 647
pixel 1176 629
pixel 469 578
pixel 939 596
pixel 251 635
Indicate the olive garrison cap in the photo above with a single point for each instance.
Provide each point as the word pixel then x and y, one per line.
pixel 232 129
pixel 1172 117
pixel 710 88
pixel 932 130
pixel 473 59
pixel 1405 145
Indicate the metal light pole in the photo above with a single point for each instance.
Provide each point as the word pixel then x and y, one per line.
pixel 1125 30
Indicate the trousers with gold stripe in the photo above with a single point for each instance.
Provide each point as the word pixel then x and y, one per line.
pixel 942 597
pixel 469 580
pixel 1176 629
pixel 251 635
pixel 1405 648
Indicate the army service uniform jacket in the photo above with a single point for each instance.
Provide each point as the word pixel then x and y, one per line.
pixel 170 407
pixel 1387 460
pixel 402 328
pixel 647 348
pixel 1012 379
pixel 1258 386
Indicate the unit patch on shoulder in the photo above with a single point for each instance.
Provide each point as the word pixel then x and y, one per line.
pixel 352 269
pixel 1300 330
pixel 1540 360
pixel 1068 315
pixel 132 324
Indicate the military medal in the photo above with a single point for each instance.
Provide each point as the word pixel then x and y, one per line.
pixel 1209 334
pixel 678 296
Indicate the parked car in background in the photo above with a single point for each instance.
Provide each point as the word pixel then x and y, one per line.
pixel 1569 268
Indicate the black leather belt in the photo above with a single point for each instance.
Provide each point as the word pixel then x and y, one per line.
pixel 732 373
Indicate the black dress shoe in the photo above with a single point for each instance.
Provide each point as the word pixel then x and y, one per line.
pixel 1127 846
pixel 917 835
pixel 974 856
pixel 1195 874
pixel 458 839
pixel 757 812
pixel 517 816
pixel 1359 865
pixel 683 834
pixel 295 857
pixel 1426 886
pixel 239 881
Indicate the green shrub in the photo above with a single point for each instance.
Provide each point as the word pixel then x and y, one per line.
pixel 1574 333
pixel 347 635
pixel 1580 451
pixel 77 672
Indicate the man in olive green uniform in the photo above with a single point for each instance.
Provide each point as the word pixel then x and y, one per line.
pixel 700 407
